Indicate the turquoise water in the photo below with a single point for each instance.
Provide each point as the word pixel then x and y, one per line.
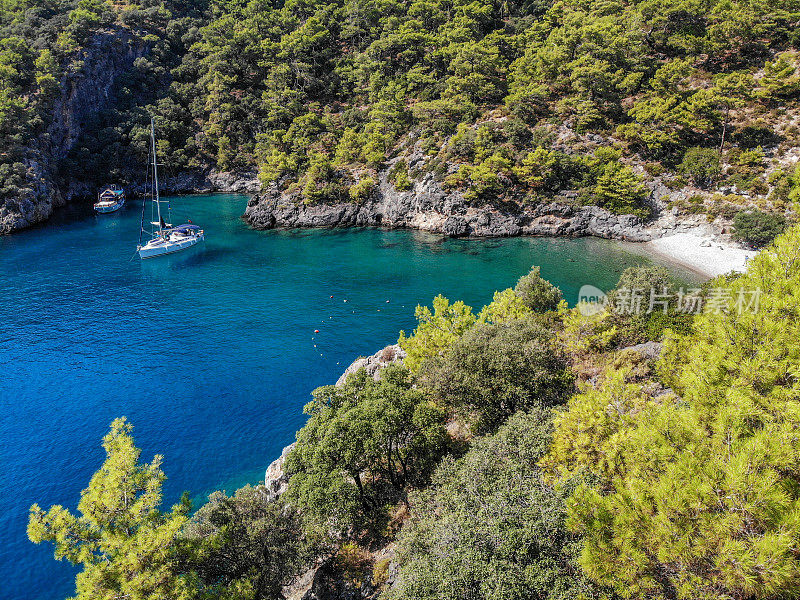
pixel 210 352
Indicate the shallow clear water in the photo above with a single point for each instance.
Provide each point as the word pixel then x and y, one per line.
pixel 210 352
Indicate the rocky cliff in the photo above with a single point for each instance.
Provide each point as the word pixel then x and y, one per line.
pixel 85 90
pixel 428 206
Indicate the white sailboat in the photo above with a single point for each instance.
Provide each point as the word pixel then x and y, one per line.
pixel 164 238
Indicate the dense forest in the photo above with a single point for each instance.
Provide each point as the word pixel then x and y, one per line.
pixel 502 101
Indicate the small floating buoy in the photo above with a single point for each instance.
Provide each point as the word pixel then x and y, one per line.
pixel 331 296
pixel 345 300
pixel 316 331
pixel 387 302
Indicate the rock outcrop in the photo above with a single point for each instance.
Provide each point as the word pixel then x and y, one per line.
pixel 429 207
pixel 276 481
pixel 84 93
pixel 375 363
pixel 648 350
pixel 201 181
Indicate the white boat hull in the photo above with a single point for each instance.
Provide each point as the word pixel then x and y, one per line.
pixel 174 243
pixel 109 207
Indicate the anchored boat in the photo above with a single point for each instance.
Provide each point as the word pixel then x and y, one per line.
pixel 164 238
pixel 111 198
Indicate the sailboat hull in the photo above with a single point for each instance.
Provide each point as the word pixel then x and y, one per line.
pixel 162 247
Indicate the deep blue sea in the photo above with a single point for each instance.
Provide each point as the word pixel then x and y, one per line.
pixel 210 353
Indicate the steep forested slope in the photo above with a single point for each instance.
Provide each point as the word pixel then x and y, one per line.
pixel 514 101
pixel 63 64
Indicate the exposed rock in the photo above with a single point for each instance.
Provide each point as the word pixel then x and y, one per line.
pixel 375 363
pixel 83 94
pixel 186 182
pixel 327 580
pixel 649 350
pixel 429 207
pixel 275 479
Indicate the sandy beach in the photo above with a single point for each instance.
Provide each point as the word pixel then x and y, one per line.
pixel 702 253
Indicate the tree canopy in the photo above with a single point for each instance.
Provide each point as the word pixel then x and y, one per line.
pixel 365 444
pixel 318 96
pixel 696 488
pixel 125 544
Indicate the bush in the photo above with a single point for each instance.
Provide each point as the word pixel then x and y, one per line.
pixel 634 320
pixel 757 227
pixel 490 528
pixel 494 370
pixel 702 165
pixel 365 442
pixel 361 191
pixel 398 175
pixel 696 493
pixel 244 541
pixel 538 294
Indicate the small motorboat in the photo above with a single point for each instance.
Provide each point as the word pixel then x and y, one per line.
pixel 110 199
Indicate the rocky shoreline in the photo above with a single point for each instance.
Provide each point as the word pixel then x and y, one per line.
pixel 429 207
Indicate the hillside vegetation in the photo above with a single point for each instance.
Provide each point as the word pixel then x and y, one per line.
pixel 504 101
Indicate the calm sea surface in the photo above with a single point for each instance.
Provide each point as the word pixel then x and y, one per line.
pixel 210 353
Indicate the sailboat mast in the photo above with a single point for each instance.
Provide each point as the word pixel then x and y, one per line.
pixel 155 170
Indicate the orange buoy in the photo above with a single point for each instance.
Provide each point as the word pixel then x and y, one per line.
pixel 316 331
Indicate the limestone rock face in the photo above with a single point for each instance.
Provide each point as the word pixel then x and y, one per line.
pixel 428 207
pixel 83 94
pixel 375 363
pixel 275 479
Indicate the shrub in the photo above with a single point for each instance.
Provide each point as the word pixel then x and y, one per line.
pixel 489 527
pixel 435 331
pixel 536 293
pixel 695 494
pixel 702 165
pixel 398 175
pixel 380 572
pixel 757 227
pixel 362 190
pixel 245 541
pixel 495 370
pixel 365 442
